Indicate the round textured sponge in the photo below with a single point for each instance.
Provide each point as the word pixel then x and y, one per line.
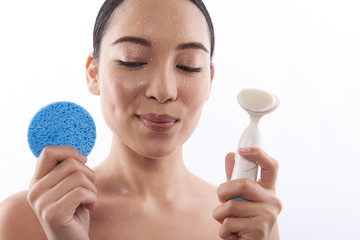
pixel 62 123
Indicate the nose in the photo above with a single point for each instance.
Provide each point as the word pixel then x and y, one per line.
pixel 162 85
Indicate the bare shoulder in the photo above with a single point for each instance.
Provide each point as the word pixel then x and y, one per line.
pixel 17 220
pixel 206 190
pixel 206 200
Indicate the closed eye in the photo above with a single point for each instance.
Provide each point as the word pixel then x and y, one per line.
pixel 189 69
pixel 131 64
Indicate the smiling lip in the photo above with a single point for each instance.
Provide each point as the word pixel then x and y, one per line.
pixel 158 122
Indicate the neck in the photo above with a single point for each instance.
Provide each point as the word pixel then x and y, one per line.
pixel 126 172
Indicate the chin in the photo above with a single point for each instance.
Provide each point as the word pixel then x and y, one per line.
pixel 159 152
pixel 156 147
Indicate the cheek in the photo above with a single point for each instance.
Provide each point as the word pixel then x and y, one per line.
pixel 118 94
pixel 118 88
pixel 194 97
pixel 196 92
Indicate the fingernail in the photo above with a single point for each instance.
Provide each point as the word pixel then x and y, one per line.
pixel 245 150
pixel 83 158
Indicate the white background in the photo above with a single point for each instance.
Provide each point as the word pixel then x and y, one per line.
pixel 306 52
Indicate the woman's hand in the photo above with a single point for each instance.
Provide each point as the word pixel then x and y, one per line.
pixel 62 192
pixel 255 217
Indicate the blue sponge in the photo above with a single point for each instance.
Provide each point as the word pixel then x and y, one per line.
pixel 62 123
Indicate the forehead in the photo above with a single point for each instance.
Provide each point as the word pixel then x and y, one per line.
pixel 158 20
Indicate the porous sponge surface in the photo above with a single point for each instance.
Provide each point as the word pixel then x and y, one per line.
pixel 62 123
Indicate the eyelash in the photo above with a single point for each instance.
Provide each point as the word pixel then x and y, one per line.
pixel 189 69
pixel 140 64
pixel 131 64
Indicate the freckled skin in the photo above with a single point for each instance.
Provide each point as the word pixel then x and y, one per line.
pixel 162 204
pixel 124 91
pixel 143 190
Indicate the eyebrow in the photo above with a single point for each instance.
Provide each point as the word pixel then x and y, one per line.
pixel 147 43
pixel 136 40
pixel 192 45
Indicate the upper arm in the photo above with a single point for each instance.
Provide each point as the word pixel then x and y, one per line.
pixel 17 220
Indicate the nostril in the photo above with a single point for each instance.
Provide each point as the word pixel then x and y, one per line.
pixel 162 85
pixel 162 94
pixel 161 100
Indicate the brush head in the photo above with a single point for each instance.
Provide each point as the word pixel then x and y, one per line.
pixel 62 123
pixel 257 101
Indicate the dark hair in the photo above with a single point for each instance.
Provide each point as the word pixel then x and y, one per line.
pixel 109 6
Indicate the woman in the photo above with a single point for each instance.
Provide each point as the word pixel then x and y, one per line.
pixel 152 69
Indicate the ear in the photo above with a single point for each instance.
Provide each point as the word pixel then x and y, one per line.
pixel 92 78
pixel 212 73
pixel 212 69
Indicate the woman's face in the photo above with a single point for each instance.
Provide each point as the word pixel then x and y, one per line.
pixel 153 74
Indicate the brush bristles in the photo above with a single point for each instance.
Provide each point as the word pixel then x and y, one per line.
pixel 256 100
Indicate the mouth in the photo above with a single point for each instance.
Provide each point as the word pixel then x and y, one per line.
pixel 158 122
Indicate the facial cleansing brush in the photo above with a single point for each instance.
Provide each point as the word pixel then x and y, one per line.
pixel 257 103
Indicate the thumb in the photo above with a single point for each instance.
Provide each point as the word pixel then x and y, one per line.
pixel 229 165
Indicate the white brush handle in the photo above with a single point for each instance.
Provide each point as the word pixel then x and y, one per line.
pixel 251 137
pixel 243 168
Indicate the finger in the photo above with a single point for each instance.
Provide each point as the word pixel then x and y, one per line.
pixel 247 189
pixel 71 182
pixel 72 200
pixel 245 228
pixel 229 165
pixel 269 166
pixel 38 196
pixel 40 200
pixel 60 172
pixel 51 156
pixel 68 167
pixel 236 226
pixel 233 237
pixel 234 208
pixel 65 208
